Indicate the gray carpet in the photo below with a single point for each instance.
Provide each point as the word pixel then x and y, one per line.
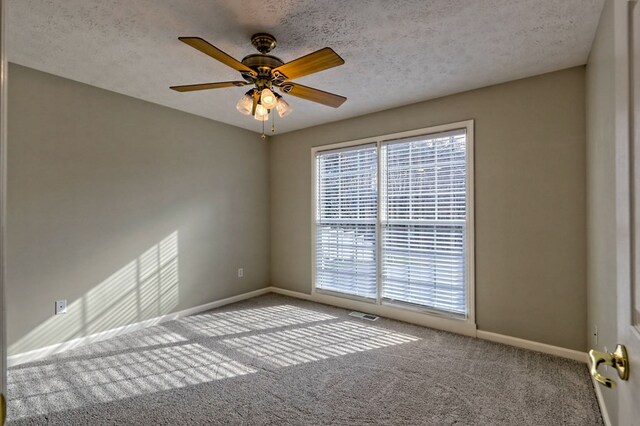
pixel 273 360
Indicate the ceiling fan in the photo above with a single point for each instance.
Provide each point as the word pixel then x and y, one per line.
pixel 265 72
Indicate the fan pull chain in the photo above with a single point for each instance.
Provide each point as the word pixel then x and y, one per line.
pixel 273 123
pixel 263 136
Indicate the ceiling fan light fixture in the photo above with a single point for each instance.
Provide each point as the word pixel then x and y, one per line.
pixel 283 108
pixel 263 71
pixel 262 114
pixel 245 104
pixel 268 98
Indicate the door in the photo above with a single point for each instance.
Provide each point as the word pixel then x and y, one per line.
pixel 624 377
pixel 3 175
pixel 629 290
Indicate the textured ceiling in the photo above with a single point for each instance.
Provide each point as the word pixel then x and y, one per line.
pixel 397 52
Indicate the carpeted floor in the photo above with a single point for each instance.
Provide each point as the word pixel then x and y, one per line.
pixel 273 360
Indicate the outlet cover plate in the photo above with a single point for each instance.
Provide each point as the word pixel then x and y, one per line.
pixel 61 307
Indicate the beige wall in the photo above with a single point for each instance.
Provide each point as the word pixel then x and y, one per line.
pixel 101 187
pixel 101 184
pixel 601 198
pixel 530 200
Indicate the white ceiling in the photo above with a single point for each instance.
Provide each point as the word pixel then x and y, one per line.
pixel 397 52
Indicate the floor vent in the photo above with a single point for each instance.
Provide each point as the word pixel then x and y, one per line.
pixel 364 316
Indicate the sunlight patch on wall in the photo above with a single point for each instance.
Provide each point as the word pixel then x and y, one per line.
pixel 234 322
pixel 314 343
pixel 145 288
pixel 72 384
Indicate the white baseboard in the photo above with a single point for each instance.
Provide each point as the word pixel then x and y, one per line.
pixel 464 327
pixel 290 293
pixel 37 354
pixel 600 398
pixel 534 346
pixel 603 407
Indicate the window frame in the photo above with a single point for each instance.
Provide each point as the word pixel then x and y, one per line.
pixel 468 125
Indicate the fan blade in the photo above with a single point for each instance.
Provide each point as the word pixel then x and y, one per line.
pixel 313 62
pixel 209 49
pixel 206 86
pixel 314 95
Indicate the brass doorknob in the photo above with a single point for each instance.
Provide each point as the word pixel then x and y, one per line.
pixel 617 359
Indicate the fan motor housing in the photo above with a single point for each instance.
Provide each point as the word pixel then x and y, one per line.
pixel 262 64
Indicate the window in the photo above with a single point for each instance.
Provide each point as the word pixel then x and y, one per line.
pixel 393 219
pixel 424 221
pixel 347 209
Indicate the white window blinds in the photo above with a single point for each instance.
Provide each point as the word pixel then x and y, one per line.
pixel 346 215
pixel 423 223
pixel 393 221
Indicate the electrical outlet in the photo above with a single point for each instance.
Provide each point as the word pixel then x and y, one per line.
pixel 61 307
pixel 240 272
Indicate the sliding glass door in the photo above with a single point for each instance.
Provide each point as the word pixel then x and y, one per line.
pixel 392 220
